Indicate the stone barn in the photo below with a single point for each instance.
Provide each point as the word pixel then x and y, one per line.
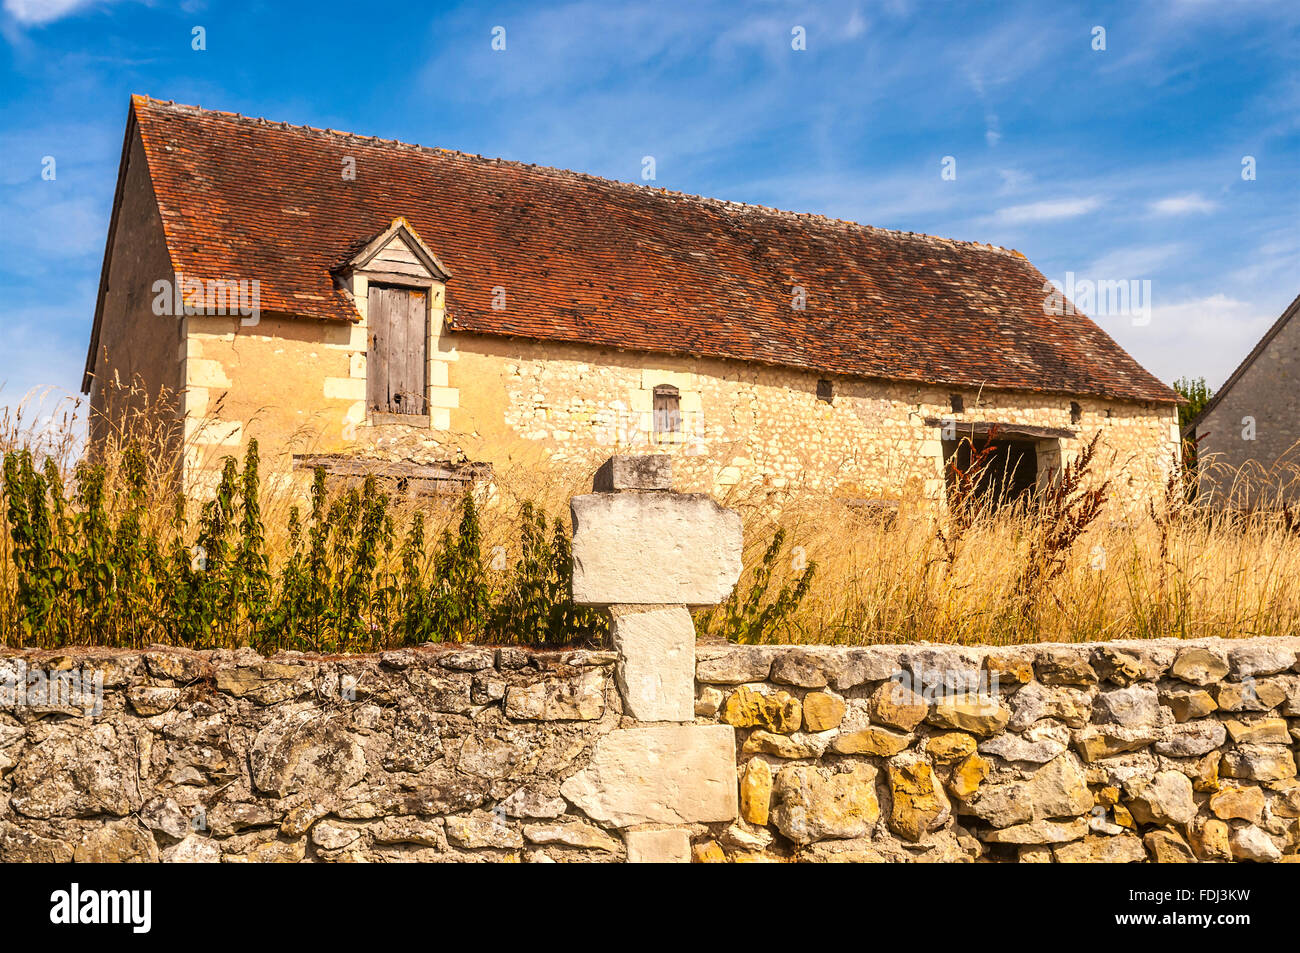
pixel 1248 433
pixel 344 298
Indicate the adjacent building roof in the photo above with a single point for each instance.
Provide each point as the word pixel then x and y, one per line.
pixel 593 261
pixel 1291 311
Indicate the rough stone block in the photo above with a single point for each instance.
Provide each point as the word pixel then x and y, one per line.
pixel 653 548
pixel 731 664
pixel 656 664
pixel 658 847
pixel 668 774
pixel 627 472
pixel 579 697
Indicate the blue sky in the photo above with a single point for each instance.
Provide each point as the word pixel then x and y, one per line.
pixel 1115 164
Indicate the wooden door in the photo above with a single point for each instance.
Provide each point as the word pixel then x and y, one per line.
pixel 396 360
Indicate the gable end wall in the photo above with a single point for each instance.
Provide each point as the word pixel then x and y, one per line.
pixel 135 345
pixel 1264 397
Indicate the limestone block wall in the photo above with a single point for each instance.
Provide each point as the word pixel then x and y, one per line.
pixel 1164 751
pixel 748 426
pixel 299 386
pixel 1160 751
pixel 292 384
pixel 135 345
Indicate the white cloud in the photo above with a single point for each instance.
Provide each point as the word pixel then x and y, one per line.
pixel 38 12
pixel 1182 204
pixel 1197 337
pixel 1050 210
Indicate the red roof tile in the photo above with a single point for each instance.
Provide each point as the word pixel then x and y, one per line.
pixel 593 261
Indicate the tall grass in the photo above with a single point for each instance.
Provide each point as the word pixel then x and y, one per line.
pixel 980 573
pixel 108 548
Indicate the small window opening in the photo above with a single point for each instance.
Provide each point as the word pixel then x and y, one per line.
pixel 826 391
pixel 958 403
pixel 667 409
pixel 1076 412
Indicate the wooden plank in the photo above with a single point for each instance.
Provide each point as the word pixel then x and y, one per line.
pixel 397 356
pixel 394 278
pixel 416 356
pixel 397 250
pixel 343 465
pixel 980 428
pixel 398 258
pixel 396 306
pixel 411 269
pixel 377 350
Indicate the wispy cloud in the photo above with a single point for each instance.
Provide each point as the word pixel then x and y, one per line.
pixel 1137 261
pixel 1049 210
pixel 39 12
pixel 1182 204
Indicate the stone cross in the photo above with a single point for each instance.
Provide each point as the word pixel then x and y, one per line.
pixel 646 554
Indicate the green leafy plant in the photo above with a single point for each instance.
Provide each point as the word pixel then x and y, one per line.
pixel 92 565
pixel 536 605
pixel 759 615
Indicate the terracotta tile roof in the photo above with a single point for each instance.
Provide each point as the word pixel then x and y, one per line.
pixel 590 260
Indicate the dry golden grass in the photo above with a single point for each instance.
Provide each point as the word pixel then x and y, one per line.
pixel 1181 572
pixel 1178 571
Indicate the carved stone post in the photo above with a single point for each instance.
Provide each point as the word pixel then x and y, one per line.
pixel 647 554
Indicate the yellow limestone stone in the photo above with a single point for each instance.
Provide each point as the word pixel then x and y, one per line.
pixel 875 741
pixel 756 792
pixel 708 852
pixel 1240 803
pixel 1209 838
pixel 949 747
pixel 822 711
pixel 918 802
pixel 896 705
pixel 968 776
pixel 779 712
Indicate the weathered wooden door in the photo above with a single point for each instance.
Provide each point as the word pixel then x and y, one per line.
pixel 396 362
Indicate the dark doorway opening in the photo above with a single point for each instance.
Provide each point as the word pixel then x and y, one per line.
pixel 1009 473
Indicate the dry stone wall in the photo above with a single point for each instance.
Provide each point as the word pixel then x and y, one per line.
pixel 414 755
pixel 1128 751
pixel 1165 751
